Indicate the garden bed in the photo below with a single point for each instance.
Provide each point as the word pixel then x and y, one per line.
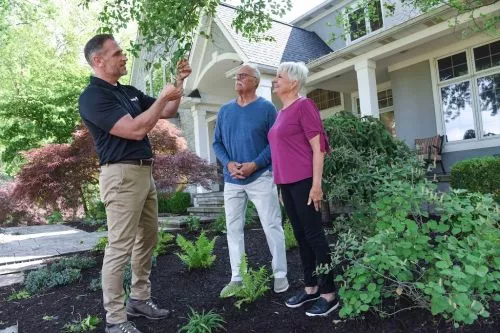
pixel 174 287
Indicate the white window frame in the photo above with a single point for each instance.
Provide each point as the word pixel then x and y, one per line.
pixel 380 87
pixel 368 27
pixel 479 141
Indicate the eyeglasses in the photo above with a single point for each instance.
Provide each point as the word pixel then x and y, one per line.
pixel 242 76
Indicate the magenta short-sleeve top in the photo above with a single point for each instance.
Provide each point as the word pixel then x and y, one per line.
pixel 291 152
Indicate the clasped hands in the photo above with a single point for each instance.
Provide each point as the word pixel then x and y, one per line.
pixel 172 92
pixel 241 170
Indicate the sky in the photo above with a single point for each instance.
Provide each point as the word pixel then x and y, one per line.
pixel 299 7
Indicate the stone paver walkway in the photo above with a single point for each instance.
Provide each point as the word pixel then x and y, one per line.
pixel 22 248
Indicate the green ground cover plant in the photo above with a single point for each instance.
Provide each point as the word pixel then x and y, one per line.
pixel 203 322
pixel 440 251
pixel 64 272
pixel 193 223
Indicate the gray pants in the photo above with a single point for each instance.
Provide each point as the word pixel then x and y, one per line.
pixel 264 195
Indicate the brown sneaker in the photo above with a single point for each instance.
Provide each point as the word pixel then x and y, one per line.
pixel 126 327
pixel 148 309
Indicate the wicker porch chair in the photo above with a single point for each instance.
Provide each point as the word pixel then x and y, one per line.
pixel 430 149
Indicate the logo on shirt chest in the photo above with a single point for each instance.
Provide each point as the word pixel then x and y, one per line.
pixel 134 99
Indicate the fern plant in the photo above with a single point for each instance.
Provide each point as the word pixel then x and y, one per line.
pixel 203 322
pixel 164 240
pixel 290 240
pixel 254 284
pixel 198 254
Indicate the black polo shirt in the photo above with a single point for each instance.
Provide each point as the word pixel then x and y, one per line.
pixel 101 105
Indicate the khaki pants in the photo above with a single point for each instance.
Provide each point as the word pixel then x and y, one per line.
pixel 129 194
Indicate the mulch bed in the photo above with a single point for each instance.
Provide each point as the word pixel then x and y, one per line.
pixel 174 287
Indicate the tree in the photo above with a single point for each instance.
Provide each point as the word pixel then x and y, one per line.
pixel 56 175
pixel 173 24
pixel 42 73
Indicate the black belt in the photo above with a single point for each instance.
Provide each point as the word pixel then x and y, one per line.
pixel 149 161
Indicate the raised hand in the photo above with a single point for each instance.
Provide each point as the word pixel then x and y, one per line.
pixel 183 70
pixel 171 93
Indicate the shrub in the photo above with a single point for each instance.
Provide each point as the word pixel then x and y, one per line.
pixel 179 202
pixel 64 272
pixel 364 155
pixel 447 264
pixel 290 241
pixel 175 203
pixel 203 322
pixel 198 254
pixel 478 175
pixel 255 283
pixel 193 223
pixel 163 206
pixel 87 324
pixel 19 295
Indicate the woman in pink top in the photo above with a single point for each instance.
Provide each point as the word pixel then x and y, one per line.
pixel 298 146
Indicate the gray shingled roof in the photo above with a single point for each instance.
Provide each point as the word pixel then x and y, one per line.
pixel 291 43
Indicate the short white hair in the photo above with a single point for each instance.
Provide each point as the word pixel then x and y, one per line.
pixel 254 69
pixel 297 71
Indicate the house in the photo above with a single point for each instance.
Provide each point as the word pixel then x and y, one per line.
pixel 414 71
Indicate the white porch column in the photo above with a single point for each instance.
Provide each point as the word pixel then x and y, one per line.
pixel 201 139
pixel 367 88
pixel 265 88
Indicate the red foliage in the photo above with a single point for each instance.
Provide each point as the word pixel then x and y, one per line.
pixel 55 174
pixel 184 167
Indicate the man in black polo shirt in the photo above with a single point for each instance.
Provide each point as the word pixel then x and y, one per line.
pixel 119 118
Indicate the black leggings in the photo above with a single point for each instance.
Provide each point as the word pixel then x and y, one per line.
pixel 308 230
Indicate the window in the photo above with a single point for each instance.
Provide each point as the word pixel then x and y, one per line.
pixel 325 99
pixel 364 20
pixel 469 89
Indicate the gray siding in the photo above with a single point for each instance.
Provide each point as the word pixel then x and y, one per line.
pixel 413 103
pixel 327 25
pixel 453 157
pixel 325 28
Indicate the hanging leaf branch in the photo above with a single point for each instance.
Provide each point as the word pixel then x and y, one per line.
pixel 167 28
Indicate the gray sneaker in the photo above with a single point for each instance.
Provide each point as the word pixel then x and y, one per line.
pixel 281 285
pixel 230 289
pixel 126 327
pixel 148 309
